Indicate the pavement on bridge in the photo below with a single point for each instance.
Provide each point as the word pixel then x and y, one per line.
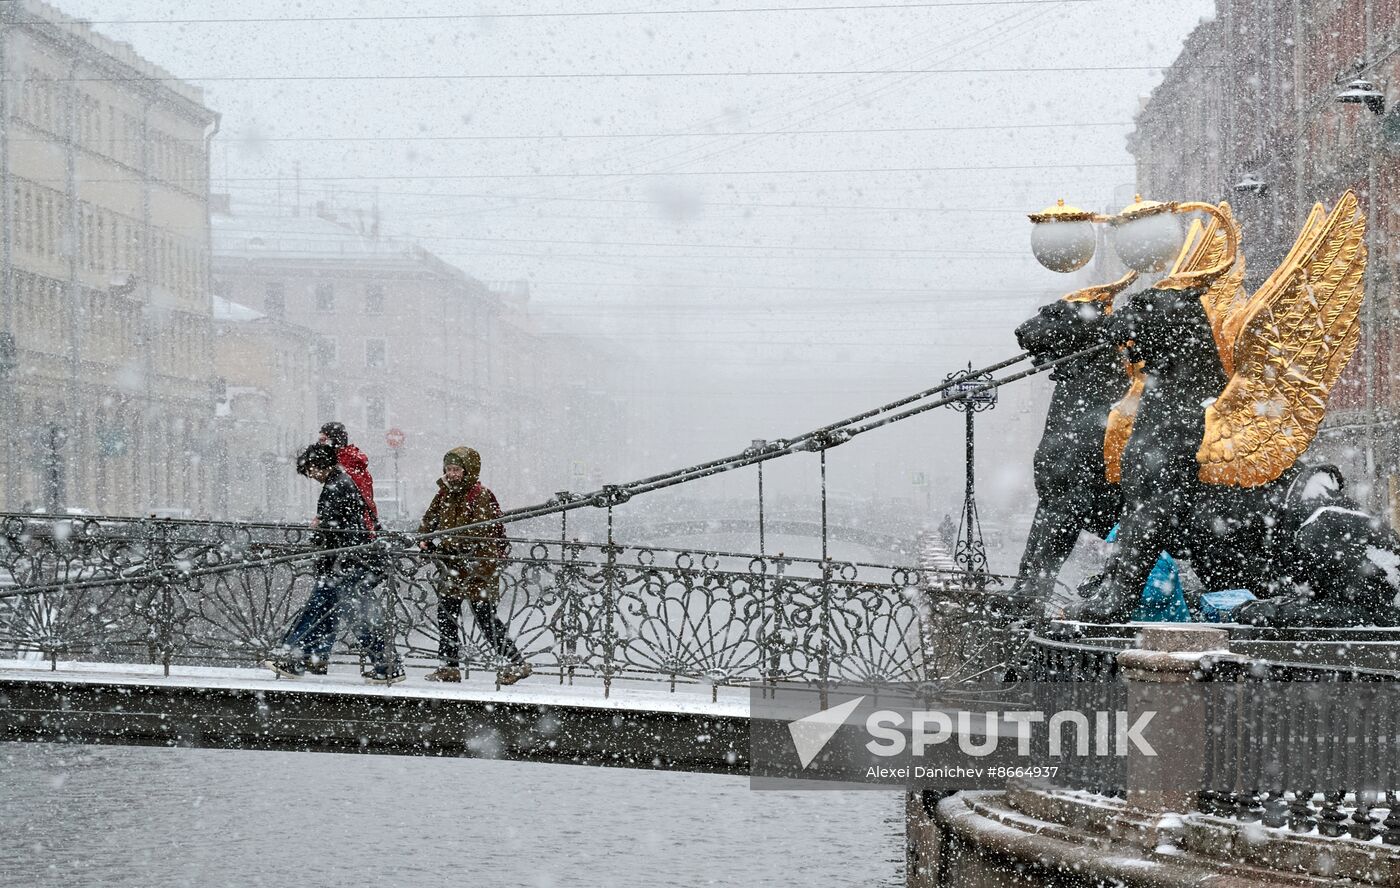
pixel 640 725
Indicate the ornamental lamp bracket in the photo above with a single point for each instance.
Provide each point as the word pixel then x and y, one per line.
pixel 1363 92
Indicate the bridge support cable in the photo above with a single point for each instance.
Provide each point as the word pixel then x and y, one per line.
pixel 823 472
pixel 797 443
pixel 813 441
pixel 818 440
pixel 762 548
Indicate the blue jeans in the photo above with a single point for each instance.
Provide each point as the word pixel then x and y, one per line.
pixel 350 593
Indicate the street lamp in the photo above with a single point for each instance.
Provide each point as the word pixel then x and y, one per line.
pixel 1147 235
pixel 1062 237
pixel 1251 185
pixel 1363 92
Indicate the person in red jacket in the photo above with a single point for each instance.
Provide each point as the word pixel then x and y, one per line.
pixel 353 460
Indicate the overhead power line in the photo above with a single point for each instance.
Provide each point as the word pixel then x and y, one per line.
pixel 1004 127
pixel 526 199
pixel 678 173
pixel 615 75
pixel 333 238
pixel 464 16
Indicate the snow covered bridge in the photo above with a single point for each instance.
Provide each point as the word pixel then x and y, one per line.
pixel 151 632
pixel 209 707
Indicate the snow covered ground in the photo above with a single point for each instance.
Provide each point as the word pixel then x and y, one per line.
pixel 539 689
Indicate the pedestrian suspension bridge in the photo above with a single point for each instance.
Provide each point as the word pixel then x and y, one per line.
pixel 150 632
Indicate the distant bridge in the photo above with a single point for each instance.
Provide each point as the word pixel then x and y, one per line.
pixel 903 546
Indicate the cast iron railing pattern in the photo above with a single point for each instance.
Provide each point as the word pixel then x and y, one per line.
pixel 1244 727
pixel 222 593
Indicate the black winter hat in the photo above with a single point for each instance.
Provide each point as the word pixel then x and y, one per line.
pixel 317 456
pixel 335 433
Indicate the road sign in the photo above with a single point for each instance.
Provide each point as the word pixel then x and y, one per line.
pixel 987 395
pixel 394 438
pixel 919 479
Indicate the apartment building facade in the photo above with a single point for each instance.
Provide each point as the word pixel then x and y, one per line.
pixel 402 339
pixel 1252 112
pixel 105 366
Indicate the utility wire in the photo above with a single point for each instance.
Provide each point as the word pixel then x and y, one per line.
pixel 228 137
pixel 525 199
pixel 779 172
pixel 821 93
pixel 615 75
pixel 740 10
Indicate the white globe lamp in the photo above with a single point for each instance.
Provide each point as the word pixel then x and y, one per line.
pixel 1062 237
pixel 1147 235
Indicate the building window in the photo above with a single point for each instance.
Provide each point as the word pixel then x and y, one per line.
pixel 374 299
pixel 325 353
pixel 325 297
pixel 375 414
pixel 376 354
pixel 275 301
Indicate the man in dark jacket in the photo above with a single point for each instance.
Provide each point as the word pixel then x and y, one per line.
pixel 353 460
pixel 345 581
pixel 471 566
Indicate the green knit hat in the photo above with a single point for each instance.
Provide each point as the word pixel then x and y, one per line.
pixel 466 458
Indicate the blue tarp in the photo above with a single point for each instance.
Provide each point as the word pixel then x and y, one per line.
pixel 1162 600
pixel 1217 607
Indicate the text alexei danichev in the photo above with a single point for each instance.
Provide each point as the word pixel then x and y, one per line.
pixel 958 772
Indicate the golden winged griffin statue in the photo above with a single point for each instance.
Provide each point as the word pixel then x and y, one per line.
pixel 1282 349
pixel 1203 442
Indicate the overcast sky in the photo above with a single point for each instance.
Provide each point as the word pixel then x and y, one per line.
pixel 788 247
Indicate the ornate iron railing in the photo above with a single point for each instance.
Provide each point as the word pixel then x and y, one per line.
pixel 223 593
pixel 1244 727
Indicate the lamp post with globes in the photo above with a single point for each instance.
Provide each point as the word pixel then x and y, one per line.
pixel 1146 234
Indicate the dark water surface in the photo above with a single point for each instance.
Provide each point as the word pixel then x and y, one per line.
pixel 113 816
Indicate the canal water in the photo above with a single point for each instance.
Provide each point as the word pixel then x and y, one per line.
pixel 151 818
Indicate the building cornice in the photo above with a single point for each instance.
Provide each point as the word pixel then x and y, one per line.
pixel 76 38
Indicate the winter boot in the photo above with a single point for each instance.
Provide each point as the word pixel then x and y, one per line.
pixel 385 676
pixel 444 673
pixel 285 667
pixel 511 674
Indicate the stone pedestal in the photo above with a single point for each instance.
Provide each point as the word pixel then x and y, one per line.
pixel 1167 659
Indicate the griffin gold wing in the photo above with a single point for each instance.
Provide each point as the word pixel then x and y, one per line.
pixel 1225 295
pixel 1293 339
pixel 1312 228
pixel 1120 423
pixel 1202 256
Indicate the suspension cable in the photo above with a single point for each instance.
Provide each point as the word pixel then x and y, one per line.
pixel 612 495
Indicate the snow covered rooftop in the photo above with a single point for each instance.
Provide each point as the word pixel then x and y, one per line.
pixel 277 232
pixel 225 310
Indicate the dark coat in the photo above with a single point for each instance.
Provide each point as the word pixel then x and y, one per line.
pixel 475 557
pixel 340 522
